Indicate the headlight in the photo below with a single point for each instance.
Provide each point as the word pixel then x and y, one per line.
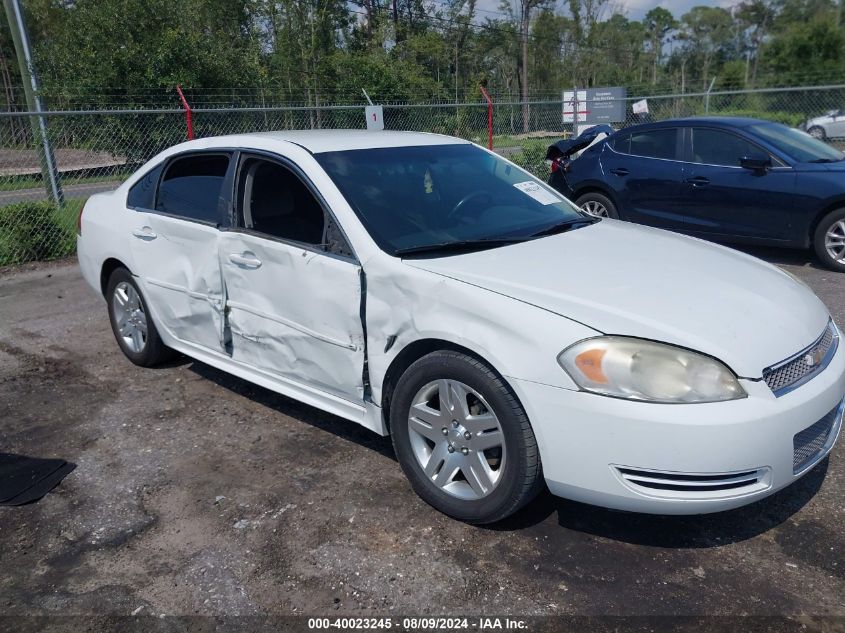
pixel 642 370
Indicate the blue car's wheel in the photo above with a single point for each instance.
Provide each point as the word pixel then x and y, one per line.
pixel 829 240
pixel 598 205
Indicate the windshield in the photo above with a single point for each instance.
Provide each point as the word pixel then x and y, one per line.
pixel 410 198
pixel 797 144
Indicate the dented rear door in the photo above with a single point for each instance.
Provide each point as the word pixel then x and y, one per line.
pixel 295 312
pixel 174 246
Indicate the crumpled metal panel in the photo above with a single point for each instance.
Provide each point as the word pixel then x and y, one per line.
pixel 413 304
pixel 296 315
pixel 181 277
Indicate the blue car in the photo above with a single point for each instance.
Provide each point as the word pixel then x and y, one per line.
pixel 720 178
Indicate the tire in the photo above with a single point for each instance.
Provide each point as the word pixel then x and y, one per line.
pixel 122 288
pixel 513 473
pixel 602 205
pixel 817 132
pixel 829 240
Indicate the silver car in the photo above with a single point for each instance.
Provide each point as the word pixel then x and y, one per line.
pixel 830 125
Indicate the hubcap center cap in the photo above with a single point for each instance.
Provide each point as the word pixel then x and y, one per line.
pixel 459 436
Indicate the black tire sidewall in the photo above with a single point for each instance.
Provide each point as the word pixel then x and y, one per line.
pixel 505 498
pixel 819 236
pixel 601 199
pixel 823 134
pixel 149 355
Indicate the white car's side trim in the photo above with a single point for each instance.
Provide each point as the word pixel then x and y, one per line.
pixel 299 328
pixel 314 397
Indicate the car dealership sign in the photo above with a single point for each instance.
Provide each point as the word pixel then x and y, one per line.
pixel 594 105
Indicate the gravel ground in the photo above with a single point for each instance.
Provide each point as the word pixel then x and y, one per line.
pixel 198 493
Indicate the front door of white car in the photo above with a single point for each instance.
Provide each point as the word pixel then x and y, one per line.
pixel 174 246
pixel 292 308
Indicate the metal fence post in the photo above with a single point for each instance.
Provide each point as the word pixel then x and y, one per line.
pixel 189 117
pixel 20 37
pixel 707 96
pixel 489 118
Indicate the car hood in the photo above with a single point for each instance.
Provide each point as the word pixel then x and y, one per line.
pixel 620 278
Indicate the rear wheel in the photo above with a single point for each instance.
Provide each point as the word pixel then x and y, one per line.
pixel 598 205
pixel 463 439
pixel 829 240
pixel 131 322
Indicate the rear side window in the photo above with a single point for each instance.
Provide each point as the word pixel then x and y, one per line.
pixel 142 195
pixel 622 143
pixel 716 147
pixel 654 144
pixel 191 187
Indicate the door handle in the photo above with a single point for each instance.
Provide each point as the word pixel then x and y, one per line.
pixel 621 171
pixel 247 260
pixel 144 233
pixel 698 181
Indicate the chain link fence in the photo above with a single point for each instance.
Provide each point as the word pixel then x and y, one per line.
pixel 94 151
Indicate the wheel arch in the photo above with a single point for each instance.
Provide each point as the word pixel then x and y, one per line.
pixel 829 207
pixel 594 187
pixel 416 350
pixel 109 266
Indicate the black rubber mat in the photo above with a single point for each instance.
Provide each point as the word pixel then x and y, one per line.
pixel 24 479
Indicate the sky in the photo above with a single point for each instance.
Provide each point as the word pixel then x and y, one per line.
pixel 633 9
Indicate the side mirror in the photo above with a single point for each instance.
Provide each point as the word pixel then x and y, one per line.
pixel 759 164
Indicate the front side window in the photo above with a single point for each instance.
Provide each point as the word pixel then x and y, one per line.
pixel 191 187
pixel 444 195
pixel 717 147
pixel 275 202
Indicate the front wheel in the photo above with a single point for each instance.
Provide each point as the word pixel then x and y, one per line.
pixel 817 132
pixel 131 322
pixel 463 439
pixel 829 240
pixel 598 205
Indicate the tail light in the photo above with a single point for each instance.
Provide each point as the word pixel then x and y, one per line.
pixel 561 164
pixel 79 220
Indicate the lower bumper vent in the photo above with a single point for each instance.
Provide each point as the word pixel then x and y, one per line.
pixel 809 445
pixel 694 485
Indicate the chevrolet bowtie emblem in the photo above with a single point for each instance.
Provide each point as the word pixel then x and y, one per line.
pixel 813 358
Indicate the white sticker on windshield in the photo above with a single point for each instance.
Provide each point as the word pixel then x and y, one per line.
pixel 537 191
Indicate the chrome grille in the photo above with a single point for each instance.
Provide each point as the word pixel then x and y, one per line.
pixel 798 369
pixel 809 444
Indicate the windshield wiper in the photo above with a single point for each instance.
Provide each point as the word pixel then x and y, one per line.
pixel 827 160
pixel 460 245
pixel 563 227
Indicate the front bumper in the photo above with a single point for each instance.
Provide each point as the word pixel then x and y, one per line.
pixel 681 458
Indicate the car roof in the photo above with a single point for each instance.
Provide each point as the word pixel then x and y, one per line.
pixel 718 121
pixel 318 141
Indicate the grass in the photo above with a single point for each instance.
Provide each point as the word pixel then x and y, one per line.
pixel 37 231
pixel 15 183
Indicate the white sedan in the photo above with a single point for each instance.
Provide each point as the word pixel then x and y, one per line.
pixel 424 287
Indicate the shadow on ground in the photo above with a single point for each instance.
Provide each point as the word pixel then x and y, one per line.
pixel 696 531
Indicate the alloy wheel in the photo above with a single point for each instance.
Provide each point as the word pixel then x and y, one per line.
pixel 457 439
pixel 129 316
pixel 596 209
pixel 834 241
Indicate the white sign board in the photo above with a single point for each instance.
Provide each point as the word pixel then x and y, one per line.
pixel 375 117
pixel 640 107
pixel 571 101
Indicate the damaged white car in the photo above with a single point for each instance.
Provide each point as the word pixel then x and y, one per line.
pixel 424 287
